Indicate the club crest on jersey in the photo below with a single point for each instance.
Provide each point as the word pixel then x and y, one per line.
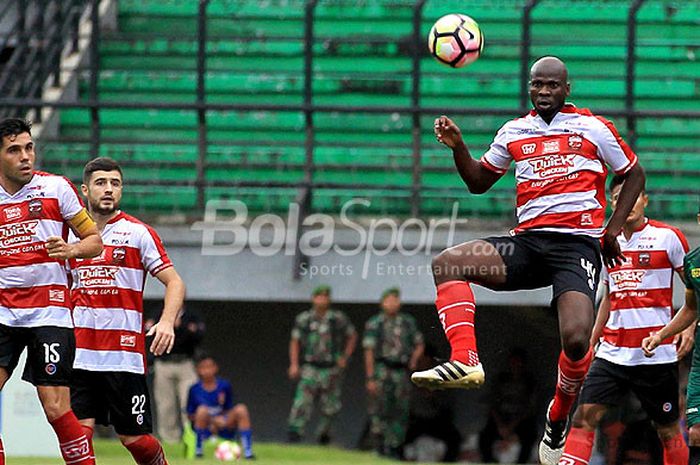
pixel 35 208
pixel 695 273
pixel 13 213
pixel 128 340
pixel 118 255
pixel 552 165
pixel 17 233
pixel 528 149
pixel 586 219
pixel 644 259
pixel 97 275
pixel 575 142
pixel 627 279
pixel 550 146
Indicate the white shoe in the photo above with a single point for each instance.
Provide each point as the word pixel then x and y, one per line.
pixel 552 444
pixel 451 374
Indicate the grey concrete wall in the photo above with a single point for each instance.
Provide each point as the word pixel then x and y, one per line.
pixel 216 273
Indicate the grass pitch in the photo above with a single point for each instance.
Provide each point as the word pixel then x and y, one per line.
pixel 111 452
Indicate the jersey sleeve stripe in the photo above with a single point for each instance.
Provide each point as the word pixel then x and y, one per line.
pixel 485 163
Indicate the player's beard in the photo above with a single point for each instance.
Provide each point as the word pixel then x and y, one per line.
pixel 104 211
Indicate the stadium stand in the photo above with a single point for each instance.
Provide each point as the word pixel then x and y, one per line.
pixel 255 55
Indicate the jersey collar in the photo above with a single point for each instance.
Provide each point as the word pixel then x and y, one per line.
pixel 117 217
pixel 567 108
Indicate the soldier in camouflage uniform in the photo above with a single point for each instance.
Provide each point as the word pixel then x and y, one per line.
pixel 322 341
pixel 392 344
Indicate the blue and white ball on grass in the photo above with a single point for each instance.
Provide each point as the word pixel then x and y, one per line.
pixel 227 451
pixel 456 40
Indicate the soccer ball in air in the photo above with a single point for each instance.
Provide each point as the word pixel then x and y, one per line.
pixel 455 40
pixel 227 451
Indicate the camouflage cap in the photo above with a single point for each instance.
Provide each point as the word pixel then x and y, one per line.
pixel 322 289
pixel 391 291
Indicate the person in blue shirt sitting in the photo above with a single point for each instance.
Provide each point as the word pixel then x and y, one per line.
pixel 212 410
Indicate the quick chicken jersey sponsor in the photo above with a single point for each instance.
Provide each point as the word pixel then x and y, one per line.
pixel 560 168
pixel 641 294
pixel 34 287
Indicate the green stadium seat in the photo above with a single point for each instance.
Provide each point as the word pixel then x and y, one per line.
pixel 362 58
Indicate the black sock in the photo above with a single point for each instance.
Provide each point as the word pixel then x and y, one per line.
pixel 694 458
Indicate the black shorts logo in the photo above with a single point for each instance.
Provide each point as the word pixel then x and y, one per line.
pixel 51 369
pixel 667 407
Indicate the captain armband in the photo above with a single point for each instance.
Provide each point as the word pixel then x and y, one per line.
pixel 82 223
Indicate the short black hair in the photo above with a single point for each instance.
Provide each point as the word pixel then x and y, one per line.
pixel 204 356
pixel 10 127
pixel 616 180
pixel 99 164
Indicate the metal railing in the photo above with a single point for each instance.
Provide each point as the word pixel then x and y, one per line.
pixel 59 20
pixel 35 38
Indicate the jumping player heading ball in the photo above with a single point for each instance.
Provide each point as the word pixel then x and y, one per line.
pixel 560 155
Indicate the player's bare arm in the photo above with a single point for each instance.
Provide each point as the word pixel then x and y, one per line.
pixel 684 319
pixel 350 344
pixel 371 383
pixel 632 187
pixel 90 244
pixel 164 330
pixel 293 359
pixel 601 318
pixel 477 178
pixel 686 339
pixel 417 354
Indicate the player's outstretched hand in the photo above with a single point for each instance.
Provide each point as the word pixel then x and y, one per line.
pixel 650 343
pixel 57 248
pixel 164 338
pixel 612 254
pixel 447 132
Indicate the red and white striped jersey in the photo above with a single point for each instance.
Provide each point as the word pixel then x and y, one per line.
pixel 560 168
pixel 641 294
pixel 33 287
pixel 108 297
